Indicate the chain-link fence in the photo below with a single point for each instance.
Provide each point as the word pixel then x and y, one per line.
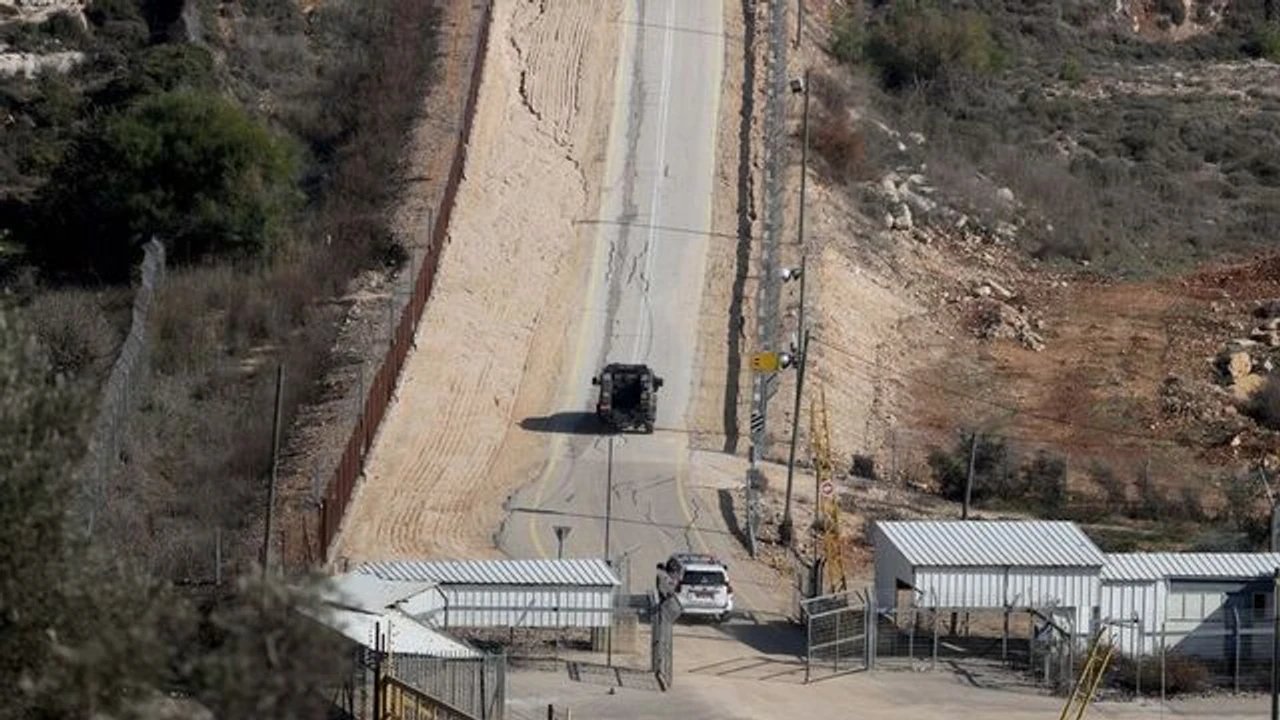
pixel 768 291
pixel 125 385
pixel 474 686
pixel 405 310
pixel 836 628
pixel 462 688
pixel 846 633
pixel 1230 650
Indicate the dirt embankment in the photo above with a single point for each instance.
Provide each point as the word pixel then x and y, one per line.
pixel 489 345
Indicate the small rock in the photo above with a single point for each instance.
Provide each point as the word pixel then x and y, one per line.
pixel 1237 365
pixel 902 218
pixel 982 291
pixel 888 220
pixel 1268 308
pixel 1005 194
pixel 901 147
pixel 1000 290
pixel 1246 386
pixel 915 137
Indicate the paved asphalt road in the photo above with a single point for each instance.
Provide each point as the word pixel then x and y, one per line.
pixel 641 304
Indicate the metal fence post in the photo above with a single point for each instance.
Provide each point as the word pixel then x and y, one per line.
pixel 1138 659
pixel 933 662
pixel 911 637
pixel 870 627
pixel 808 652
pixel 1235 646
pixel 835 656
pixel 1163 666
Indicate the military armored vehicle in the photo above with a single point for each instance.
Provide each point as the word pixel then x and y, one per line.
pixel 628 397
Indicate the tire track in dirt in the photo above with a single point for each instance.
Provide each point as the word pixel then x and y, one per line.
pixel 432 485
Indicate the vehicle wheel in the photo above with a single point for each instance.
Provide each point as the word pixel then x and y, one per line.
pixel 721 618
pixel 648 428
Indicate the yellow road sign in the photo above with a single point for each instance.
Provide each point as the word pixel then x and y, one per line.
pixel 765 362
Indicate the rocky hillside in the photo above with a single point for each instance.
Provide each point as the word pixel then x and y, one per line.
pixel 1057 224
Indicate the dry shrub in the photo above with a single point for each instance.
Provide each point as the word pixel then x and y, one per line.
pixel 841 145
pixel 1264 406
pixel 1183 674
pixel 74 331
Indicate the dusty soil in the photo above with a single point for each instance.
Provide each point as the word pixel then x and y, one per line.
pixel 723 401
pixel 744 671
pixel 488 345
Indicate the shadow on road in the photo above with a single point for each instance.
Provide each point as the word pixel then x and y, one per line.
pixel 566 423
pixel 773 637
pixel 725 498
pixel 597 674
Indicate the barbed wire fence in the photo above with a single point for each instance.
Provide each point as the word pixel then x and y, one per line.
pixel 768 291
pixel 125 385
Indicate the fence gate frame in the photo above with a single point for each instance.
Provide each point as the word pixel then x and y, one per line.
pixel 839 623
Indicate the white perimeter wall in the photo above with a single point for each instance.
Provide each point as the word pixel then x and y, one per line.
pixel 521 606
pixel 1120 601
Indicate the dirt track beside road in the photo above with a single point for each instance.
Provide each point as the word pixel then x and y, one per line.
pixel 447 455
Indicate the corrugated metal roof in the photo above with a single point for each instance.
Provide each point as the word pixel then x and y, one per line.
pixel 1155 566
pixel 370 593
pixel 996 543
pixel 406 635
pixel 562 573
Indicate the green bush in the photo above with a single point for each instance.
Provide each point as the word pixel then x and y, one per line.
pixel 848 34
pixel 161 68
pixel 186 166
pixel 101 12
pixel 918 43
pixel 1264 42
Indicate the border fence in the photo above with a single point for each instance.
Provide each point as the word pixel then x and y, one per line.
pixel 1035 646
pixel 385 684
pixel 120 394
pixel 379 391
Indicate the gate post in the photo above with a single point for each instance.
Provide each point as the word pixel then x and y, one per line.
pixel 870 623
pixel 835 656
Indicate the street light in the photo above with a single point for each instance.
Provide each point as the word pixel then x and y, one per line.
pixel 786 528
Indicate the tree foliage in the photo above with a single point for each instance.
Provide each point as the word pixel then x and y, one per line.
pixel 186 166
pixel 917 43
pixel 84 635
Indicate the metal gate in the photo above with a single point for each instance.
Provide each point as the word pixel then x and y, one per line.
pixel 837 634
pixel 663 652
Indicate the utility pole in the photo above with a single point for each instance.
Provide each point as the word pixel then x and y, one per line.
pixel 608 500
pixel 968 482
pixel 275 466
pixel 786 529
pixel 804 157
